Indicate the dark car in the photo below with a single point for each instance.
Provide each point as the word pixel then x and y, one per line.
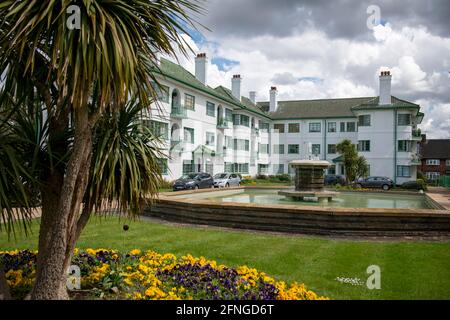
pixel 414 185
pixel 333 179
pixel 199 180
pixel 384 183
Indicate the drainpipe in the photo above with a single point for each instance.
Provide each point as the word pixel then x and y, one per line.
pixel 395 146
pixel 325 141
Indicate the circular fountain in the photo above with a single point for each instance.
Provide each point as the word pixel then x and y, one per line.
pixel 309 181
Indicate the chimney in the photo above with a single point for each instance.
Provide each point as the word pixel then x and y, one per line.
pixel 252 96
pixel 201 64
pixel 385 87
pixel 273 99
pixel 236 86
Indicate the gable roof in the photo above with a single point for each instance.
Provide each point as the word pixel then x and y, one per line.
pixel 329 108
pixel 435 149
pixel 176 72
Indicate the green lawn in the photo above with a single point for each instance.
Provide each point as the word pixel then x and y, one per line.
pixel 409 270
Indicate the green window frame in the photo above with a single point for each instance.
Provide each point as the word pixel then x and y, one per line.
pixel 189 101
pixel 364 145
pixel 188 166
pixel 342 124
pixel 364 120
pixel 263 168
pixel 294 127
pixel 331 149
pixel 332 127
pixel 210 109
pixel 351 126
pixel 403 171
pixel 161 91
pixel 264 126
pixel 210 139
pixel 404 146
pixel 279 127
pixel 293 149
pixel 315 148
pixel 241 145
pixel 404 119
pixel 228 115
pixel 160 129
pixel 315 127
pixel 188 134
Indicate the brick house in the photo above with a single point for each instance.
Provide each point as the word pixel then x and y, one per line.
pixel 435 157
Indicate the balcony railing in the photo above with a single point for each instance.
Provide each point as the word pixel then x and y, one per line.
pixel 222 124
pixel 416 134
pixel 178 111
pixel 415 160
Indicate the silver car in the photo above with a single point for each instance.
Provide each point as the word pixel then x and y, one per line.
pixel 225 180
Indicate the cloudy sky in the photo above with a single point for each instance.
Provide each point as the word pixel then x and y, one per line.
pixel 323 49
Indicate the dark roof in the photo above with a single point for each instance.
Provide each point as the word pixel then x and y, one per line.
pixel 180 74
pixel 321 108
pixel 327 108
pixel 435 149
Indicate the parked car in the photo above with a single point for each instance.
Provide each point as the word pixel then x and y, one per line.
pixel 384 183
pixel 199 180
pixel 332 179
pixel 414 185
pixel 226 180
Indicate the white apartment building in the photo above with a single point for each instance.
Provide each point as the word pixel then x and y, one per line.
pixel 219 130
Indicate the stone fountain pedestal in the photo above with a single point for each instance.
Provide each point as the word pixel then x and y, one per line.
pixel 309 181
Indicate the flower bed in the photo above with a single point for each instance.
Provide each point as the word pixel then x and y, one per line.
pixel 109 274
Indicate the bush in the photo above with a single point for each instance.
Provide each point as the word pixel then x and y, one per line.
pixel 261 177
pixel 165 184
pixel 284 177
pixel 419 184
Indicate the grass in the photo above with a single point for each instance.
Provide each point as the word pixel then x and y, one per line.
pixel 409 270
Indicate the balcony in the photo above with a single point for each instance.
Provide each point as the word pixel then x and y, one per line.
pixel 178 112
pixel 416 135
pixel 415 160
pixel 176 146
pixel 222 124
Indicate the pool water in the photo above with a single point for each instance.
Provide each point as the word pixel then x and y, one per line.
pixel 347 200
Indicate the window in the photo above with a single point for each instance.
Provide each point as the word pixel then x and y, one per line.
pixel 278 148
pixel 315 149
pixel 188 166
pixel 404 171
pixel 364 145
pixel 210 109
pixel 263 148
pixel 342 126
pixel 241 144
pixel 241 120
pixel 229 142
pixel 293 149
pixel 162 91
pixel 263 168
pixel 404 119
pixel 331 148
pixel 432 175
pixel 163 166
pixel 279 127
pixel 189 102
pixel 447 163
pixel 237 167
pixel 351 127
pixel 404 146
pixel 332 127
pixel 229 115
pixel 160 129
pixel 364 120
pixel 332 169
pixel 189 135
pixel 314 127
pixel 433 162
pixel 263 126
pixel 294 128
pixel 210 137
pixel 278 168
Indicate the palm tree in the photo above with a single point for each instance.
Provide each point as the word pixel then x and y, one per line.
pixel 73 85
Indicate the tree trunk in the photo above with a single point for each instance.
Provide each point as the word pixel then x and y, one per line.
pixel 4 288
pixel 56 239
